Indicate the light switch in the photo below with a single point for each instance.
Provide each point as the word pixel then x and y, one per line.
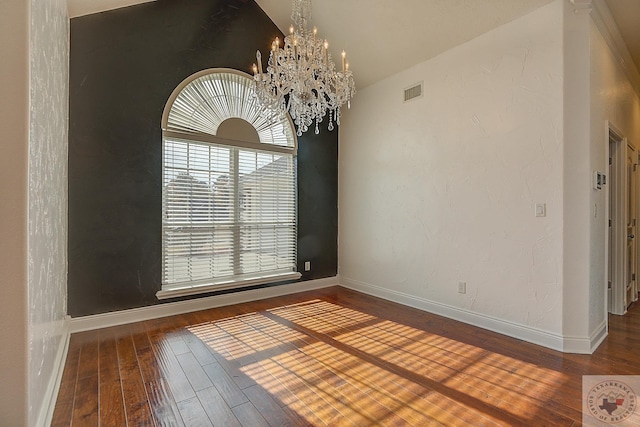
pixel 541 209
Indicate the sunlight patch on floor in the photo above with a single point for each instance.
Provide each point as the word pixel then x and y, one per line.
pixel 332 364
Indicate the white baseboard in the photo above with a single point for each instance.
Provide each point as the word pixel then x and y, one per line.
pixel 45 414
pixel 512 329
pixel 586 345
pixel 526 333
pixel 104 320
pixel 598 336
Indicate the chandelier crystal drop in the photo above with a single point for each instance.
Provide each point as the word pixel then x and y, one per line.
pixel 301 78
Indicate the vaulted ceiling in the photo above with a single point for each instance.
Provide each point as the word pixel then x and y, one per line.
pixel 626 13
pixel 382 37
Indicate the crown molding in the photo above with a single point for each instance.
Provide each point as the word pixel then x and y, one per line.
pixel 581 6
pixel 604 21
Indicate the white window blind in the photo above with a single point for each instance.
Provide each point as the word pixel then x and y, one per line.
pixel 229 209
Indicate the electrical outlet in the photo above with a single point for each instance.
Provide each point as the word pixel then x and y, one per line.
pixel 307 265
pixel 462 287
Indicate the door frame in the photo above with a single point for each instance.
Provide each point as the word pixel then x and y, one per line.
pixel 617 203
pixel 631 292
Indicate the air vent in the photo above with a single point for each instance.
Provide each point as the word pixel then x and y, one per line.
pixel 413 92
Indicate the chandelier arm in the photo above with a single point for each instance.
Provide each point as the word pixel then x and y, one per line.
pixel 301 77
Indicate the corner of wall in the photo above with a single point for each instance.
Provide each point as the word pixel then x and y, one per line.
pixel 576 190
pixel 50 395
pixel 581 345
pixel 47 201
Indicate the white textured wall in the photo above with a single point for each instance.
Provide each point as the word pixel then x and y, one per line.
pixel 442 189
pixel 14 96
pixel 47 259
pixel 612 98
pixel 577 174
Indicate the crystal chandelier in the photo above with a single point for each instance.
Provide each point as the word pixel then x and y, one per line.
pixel 301 77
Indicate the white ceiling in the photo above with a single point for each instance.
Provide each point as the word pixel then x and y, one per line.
pixel 87 7
pixel 626 13
pixel 383 37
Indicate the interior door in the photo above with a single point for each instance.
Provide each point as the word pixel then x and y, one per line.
pixel 630 253
pixel 612 191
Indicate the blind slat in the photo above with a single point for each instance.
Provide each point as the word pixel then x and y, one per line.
pixel 225 225
pixel 228 211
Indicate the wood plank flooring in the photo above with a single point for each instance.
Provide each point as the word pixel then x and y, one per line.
pixel 332 357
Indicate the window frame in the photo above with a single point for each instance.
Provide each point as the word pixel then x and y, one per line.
pixel 181 134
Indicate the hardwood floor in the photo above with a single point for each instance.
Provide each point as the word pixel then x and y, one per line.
pixel 331 357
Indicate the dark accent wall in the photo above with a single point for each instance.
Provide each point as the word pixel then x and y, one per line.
pixel 124 64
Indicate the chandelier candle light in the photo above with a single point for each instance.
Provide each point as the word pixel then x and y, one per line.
pixel 301 77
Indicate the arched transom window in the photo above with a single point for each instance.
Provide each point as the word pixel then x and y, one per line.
pixel 229 188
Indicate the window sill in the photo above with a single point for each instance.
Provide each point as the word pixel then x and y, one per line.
pixel 188 290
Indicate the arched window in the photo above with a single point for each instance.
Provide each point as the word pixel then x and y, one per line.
pixel 229 188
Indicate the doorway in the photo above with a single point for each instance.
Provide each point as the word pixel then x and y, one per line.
pixel 622 248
